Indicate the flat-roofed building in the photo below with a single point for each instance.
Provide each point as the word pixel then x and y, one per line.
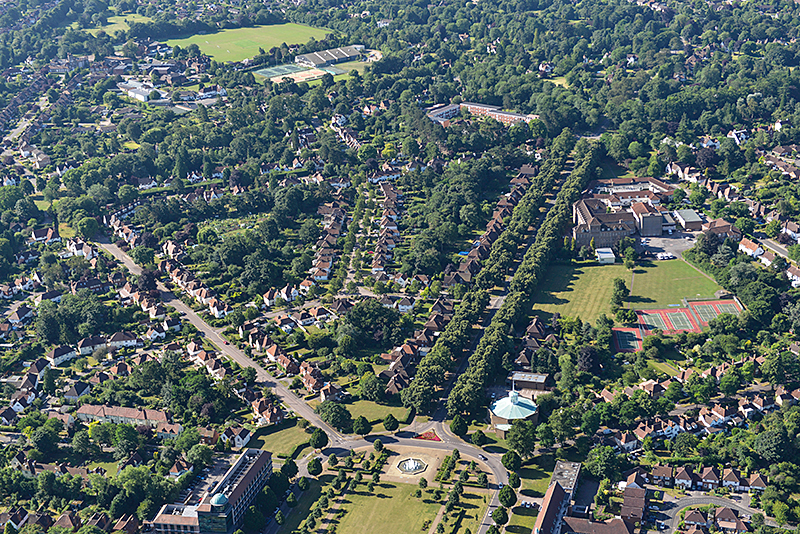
pixel 331 56
pixel 689 220
pixel 521 380
pixel 223 507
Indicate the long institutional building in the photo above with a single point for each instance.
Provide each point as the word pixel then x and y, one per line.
pixel 443 114
pixel 221 509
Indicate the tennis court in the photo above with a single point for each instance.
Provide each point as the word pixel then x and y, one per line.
pixel 708 310
pixel 668 320
pixel 627 339
pixel 729 307
pixel 651 321
pixel 705 312
pixel 279 70
pixel 680 321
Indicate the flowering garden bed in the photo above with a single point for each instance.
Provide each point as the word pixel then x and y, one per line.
pixel 430 435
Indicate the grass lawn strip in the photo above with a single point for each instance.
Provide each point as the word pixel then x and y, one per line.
pixel 242 43
pixel 304 504
pixel 522 520
pixel 279 441
pixel 392 506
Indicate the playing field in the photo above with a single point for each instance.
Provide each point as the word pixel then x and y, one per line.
pixel 119 23
pixel 584 289
pixel 242 43
pixel 664 283
pixel 579 290
pixel 391 506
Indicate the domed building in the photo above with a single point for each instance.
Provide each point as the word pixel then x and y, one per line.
pixel 503 412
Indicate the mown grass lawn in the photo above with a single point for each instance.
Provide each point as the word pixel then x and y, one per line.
pixel 522 520
pixel 659 284
pixel 242 43
pixel 119 23
pixel 304 504
pixel 578 290
pixel 279 440
pixel 375 413
pixel 583 289
pixel 390 509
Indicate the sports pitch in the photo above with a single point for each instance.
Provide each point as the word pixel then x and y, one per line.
pixel 242 43
pixel 584 289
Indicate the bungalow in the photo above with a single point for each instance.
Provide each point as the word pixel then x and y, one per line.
pixel 180 468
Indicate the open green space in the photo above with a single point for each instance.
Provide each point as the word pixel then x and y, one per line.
pixel 279 439
pixel 659 284
pixel 578 290
pixel 347 67
pixel 474 504
pixel 119 23
pixel 242 43
pixel 583 289
pixel 304 504
pixel 392 506
pixel 522 520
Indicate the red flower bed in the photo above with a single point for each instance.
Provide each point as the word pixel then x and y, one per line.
pixel 428 436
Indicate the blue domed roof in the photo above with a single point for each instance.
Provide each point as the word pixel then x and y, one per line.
pixel 219 500
pixel 514 407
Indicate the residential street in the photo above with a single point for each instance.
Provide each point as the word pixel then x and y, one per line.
pixel 338 442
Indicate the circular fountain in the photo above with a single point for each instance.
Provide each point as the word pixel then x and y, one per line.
pixel 412 466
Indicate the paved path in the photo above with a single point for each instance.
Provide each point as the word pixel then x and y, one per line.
pixel 339 443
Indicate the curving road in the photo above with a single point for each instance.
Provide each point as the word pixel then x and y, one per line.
pixel 338 442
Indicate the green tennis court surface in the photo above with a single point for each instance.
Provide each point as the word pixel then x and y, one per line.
pixel 728 307
pixel 626 340
pixel 680 321
pixel 279 70
pixel 706 312
pixel 652 321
